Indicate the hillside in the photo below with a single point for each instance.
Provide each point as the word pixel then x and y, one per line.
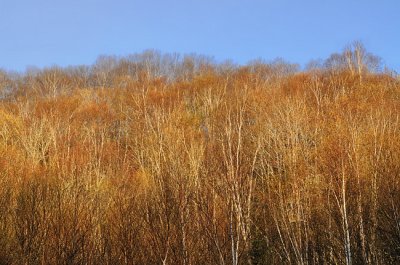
pixel 164 159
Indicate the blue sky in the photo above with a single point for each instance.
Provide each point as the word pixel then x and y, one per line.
pixel 72 32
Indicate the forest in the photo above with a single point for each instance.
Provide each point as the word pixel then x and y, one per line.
pixel 159 158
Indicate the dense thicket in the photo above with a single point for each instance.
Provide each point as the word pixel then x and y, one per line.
pixel 157 159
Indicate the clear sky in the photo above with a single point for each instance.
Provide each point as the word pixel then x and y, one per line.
pixel 72 32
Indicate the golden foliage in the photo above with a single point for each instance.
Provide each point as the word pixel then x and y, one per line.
pixel 250 165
